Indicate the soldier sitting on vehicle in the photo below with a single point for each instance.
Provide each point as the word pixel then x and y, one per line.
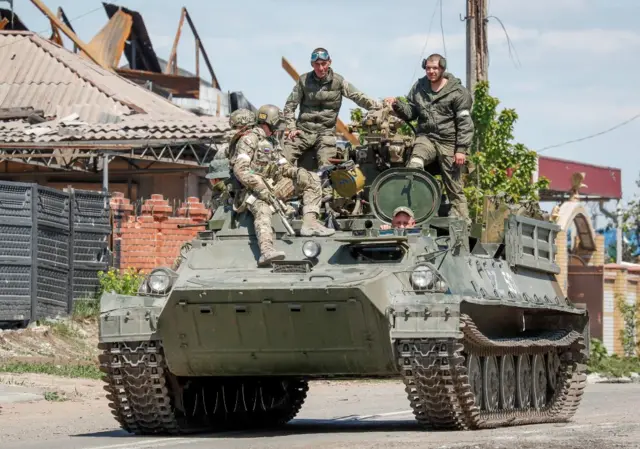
pixel 403 218
pixel 256 160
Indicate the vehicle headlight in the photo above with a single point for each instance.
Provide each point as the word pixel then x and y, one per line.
pixel 422 278
pixel 311 249
pixel 159 280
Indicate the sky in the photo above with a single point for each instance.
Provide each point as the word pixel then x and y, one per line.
pixel 571 72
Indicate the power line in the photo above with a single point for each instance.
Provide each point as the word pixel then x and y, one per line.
pixel 509 43
pixel 619 125
pixel 444 44
pixel 435 9
pixel 48 29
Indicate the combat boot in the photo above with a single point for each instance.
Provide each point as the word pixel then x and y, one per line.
pixel 312 227
pixel 268 256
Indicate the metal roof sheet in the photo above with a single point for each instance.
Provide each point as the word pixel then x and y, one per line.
pixel 38 73
pixel 130 128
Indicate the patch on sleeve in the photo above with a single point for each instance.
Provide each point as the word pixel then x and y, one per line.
pixel 247 140
pixel 282 161
pixel 464 113
pixel 243 157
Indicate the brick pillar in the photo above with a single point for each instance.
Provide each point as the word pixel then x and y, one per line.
pixel 598 258
pixel 562 259
pixel 153 239
pixel 619 290
pixel 193 209
pixel 121 209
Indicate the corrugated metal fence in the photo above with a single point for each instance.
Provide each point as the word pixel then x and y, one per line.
pixel 52 245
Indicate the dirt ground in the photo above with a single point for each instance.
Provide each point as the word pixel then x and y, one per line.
pixel 64 341
pixel 72 412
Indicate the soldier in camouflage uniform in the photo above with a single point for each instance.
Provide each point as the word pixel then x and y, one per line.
pixel 257 157
pixel 445 129
pixel 240 120
pixel 319 94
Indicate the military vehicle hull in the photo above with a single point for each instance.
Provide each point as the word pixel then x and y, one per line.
pixel 491 341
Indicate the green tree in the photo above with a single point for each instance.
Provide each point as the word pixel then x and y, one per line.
pixel 500 166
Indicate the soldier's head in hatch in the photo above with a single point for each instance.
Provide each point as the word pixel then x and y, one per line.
pixel 403 218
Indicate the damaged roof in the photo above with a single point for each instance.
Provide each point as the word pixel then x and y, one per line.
pixel 38 73
pixel 73 92
pixel 70 129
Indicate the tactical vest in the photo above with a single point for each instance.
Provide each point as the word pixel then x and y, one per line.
pixel 321 101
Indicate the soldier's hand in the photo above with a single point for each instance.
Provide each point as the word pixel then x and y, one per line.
pixel 390 101
pixel 292 134
pixel 263 194
pixel 460 158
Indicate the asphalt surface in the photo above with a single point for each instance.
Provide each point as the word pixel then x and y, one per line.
pixel 336 415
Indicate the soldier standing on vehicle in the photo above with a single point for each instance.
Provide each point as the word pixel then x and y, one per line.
pixel 258 159
pixel 445 129
pixel 319 94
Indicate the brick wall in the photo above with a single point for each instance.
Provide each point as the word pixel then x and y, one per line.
pixel 562 259
pixel 623 280
pixel 152 238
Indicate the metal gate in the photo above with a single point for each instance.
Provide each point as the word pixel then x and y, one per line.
pixel 52 244
pixel 586 285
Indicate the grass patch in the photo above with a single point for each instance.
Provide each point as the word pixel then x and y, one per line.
pixel 60 328
pixel 74 371
pixel 86 309
pixel 610 365
pixel 54 396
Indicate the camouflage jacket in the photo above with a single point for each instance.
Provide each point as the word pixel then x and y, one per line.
pixel 256 157
pixel 320 101
pixel 443 116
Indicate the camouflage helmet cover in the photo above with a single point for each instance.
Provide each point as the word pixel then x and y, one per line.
pixel 403 209
pixel 241 117
pixel 218 169
pixel 270 115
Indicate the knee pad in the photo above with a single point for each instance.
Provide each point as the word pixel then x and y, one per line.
pixel 416 162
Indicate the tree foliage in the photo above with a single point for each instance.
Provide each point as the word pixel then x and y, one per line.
pixel 501 166
pixel 630 230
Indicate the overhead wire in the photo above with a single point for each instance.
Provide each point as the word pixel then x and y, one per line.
pixel 510 45
pixel 591 136
pixel 49 29
pixel 426 42
pixel 444 44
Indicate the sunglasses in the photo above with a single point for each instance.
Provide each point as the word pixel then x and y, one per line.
pixel 323 55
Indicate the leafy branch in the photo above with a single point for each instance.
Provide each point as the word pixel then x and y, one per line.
pixel 628 333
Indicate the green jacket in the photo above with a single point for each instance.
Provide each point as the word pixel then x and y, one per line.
pixel 443 116
pixel 320 101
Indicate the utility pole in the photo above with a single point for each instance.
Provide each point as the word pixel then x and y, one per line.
pixel 477 48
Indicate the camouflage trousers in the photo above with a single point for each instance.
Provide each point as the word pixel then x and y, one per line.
pixel 307 185
pixel 323 146
pixel 430 151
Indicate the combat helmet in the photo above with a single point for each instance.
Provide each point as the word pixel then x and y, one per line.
pixel 271 116
pixel 242 117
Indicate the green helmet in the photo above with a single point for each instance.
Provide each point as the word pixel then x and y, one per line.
pixel 242 117
pixel 218 169
pixel 271 116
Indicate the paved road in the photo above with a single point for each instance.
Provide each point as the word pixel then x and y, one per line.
pixel 336 415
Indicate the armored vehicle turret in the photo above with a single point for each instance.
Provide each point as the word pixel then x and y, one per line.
pixel 479 331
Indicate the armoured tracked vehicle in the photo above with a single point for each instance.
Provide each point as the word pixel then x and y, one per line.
pixel 475 325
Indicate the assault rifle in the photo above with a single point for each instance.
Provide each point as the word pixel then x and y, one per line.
pixel 276 206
